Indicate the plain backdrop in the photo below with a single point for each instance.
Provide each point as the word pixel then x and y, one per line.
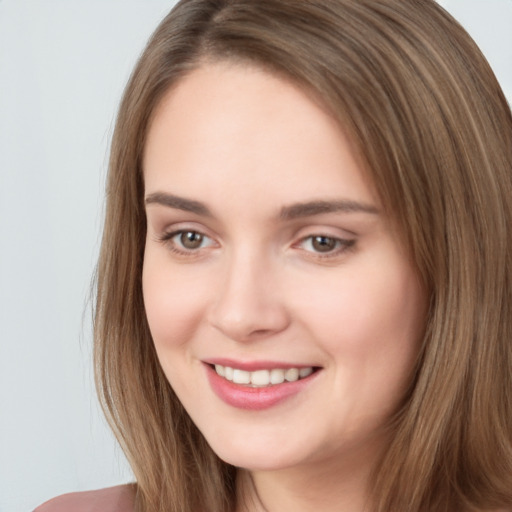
pixel 63 65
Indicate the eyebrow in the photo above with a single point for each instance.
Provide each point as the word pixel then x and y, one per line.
pixel 320 207
pixel 180 203
pixel 293 211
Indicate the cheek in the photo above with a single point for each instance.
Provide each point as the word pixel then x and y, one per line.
pixel 386 312
pixel 373 337
pixel 173 301
pixel 372 320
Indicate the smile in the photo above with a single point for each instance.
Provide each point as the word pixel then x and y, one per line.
pixel 262 378
pixel 258 385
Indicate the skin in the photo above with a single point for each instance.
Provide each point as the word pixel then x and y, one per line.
pixel 246 145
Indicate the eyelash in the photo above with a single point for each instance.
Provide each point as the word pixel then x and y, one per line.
pixel 341 245
pixel 167 239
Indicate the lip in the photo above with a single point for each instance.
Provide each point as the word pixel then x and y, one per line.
pixel 250 398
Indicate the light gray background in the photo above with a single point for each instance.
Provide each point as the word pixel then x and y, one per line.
pixel 63 65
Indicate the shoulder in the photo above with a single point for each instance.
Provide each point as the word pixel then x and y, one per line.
pixel 113 499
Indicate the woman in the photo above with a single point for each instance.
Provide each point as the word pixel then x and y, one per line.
pixel 304 289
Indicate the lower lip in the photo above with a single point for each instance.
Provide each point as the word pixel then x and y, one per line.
pixel 254 399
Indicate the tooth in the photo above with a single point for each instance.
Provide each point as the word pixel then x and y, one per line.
pixel 263 378
pixel 241 377
pixel 276 376
pixel 228 373
pixel 304 372
pixel 260 378
pixel 292 374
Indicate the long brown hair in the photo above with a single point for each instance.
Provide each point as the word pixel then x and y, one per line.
pixel 428 120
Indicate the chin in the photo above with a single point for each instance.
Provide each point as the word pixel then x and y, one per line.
pixel 258 461
pixel 257 454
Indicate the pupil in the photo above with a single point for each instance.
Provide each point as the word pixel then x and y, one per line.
pixel 323 243
pixel 191 240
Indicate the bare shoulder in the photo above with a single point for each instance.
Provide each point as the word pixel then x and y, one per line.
pixel 112 499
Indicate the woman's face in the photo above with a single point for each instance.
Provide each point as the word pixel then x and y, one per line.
pixel 285 313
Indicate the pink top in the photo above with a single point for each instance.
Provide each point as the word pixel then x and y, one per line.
pixel 112 499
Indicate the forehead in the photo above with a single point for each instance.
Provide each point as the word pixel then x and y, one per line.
pixel 228 128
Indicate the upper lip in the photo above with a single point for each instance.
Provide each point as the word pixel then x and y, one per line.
pixel 251 366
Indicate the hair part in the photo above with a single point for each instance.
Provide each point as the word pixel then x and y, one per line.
pixel 433 131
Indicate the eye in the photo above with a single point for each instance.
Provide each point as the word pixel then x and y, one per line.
pixel 325 245
pixel 189 239
pixel 186 241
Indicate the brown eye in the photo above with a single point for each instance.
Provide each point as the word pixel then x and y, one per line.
pixel 326 246
pixel 324 243
pixel 191 239
pixel 187 242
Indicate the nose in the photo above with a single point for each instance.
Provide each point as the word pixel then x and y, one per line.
pixel 249 304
